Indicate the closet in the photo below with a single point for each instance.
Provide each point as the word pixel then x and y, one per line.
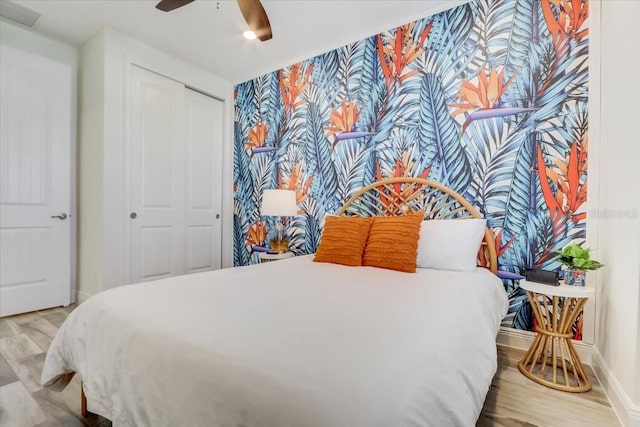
pixel 174 190
pixel 153 168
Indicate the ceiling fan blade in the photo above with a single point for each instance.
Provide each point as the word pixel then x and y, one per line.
pixel 256 18
pixel 169 5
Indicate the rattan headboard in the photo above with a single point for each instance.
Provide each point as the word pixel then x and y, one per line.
pixel 397 196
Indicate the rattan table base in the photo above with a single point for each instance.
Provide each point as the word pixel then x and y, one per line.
pixel 552 360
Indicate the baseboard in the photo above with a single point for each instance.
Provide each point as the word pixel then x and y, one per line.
pixel 517 338
pixel 627 411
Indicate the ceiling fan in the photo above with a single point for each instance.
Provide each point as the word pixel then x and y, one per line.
pixel 252 11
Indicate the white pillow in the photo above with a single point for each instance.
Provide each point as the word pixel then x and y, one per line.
pixel 450 244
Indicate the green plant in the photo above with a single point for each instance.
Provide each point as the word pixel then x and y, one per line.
pixel 576 257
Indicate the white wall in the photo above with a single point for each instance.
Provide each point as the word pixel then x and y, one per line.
pixel 19 37
pixel 106 63
pixel 615 215
pixel 90 167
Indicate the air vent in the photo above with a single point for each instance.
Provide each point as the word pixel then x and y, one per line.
pixel 18 13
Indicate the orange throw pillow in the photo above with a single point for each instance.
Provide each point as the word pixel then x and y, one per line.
pixel 393 242
pixel 343 240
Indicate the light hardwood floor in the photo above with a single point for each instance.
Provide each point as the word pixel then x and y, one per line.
pixel 512 401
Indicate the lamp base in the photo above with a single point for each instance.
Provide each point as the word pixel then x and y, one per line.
pixel 279 246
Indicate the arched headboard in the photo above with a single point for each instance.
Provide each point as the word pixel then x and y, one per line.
pixel 397 196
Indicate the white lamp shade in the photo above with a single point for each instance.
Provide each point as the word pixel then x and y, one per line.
pixel 279 203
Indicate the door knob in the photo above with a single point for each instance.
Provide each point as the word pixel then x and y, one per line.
pixel 217 216
pixel 62 216
pixel 133 215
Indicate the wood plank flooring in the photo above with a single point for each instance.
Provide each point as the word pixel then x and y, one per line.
pixel 24 340
pixel 512 401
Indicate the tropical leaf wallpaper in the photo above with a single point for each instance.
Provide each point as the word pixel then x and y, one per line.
pixel 488 98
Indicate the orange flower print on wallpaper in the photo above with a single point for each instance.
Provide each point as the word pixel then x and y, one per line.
pixel 482 99
pixel 257 137
pixel 293 83
pixel 343 122
pixel 485 93
pixel 398 51
pixel 566 18
pixel 257 234
pixel 569 181
pixel 343 119
pixel 295 182
pixel 488 98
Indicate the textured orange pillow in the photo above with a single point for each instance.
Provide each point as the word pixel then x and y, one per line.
pixel 393 242
pixel 343 240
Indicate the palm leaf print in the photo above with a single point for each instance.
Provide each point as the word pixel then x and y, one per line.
pixel 265 97
pixel 245 103
pixel 453 24
pixel 489 34
pixel 523 202
pixel 240 254
pixel 350 160
pixel 490 98
pixel 313 230
pixel 519 314
pixel 440 130
pixel 325 69
pixel 349 60
pixel 318 157
pixel 261 175
pixel 525 32
pixel 371 84
pixel 491 158
pixel 297 232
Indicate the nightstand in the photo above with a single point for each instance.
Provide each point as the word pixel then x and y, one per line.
pixel 266 257
pixel 551 360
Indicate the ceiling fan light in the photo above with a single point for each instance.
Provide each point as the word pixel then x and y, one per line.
pixel 249 35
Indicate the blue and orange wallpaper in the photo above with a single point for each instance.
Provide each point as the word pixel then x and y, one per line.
pixel 488 98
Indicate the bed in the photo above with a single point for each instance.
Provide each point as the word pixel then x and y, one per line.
pixel 295 342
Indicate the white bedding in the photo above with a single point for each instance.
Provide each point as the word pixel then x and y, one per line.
pixel 287 343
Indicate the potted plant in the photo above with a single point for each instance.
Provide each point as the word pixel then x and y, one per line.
pixel 577 260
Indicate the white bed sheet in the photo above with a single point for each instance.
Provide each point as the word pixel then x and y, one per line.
pixel 287 343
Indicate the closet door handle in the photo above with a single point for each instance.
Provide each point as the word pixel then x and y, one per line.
pixel 62 216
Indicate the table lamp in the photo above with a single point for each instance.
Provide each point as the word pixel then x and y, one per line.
pixel 279 203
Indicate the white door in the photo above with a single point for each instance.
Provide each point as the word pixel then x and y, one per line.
pixel 35 186
pixel 175 173
pixel 204 119
pixel 157 176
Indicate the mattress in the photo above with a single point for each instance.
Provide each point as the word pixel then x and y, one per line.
pixel 286 343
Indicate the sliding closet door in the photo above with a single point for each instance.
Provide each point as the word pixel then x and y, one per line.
pixel 175 163
pixel 157 153
pixel 203 181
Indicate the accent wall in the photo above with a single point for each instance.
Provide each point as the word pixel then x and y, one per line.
pixel 488 98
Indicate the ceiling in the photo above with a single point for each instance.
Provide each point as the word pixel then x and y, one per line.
pixel 208 33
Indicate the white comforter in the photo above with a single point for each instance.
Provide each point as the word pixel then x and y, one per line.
pixel 287 343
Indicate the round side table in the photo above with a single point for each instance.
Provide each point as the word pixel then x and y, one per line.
pixel 551 360
pixel 267 257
